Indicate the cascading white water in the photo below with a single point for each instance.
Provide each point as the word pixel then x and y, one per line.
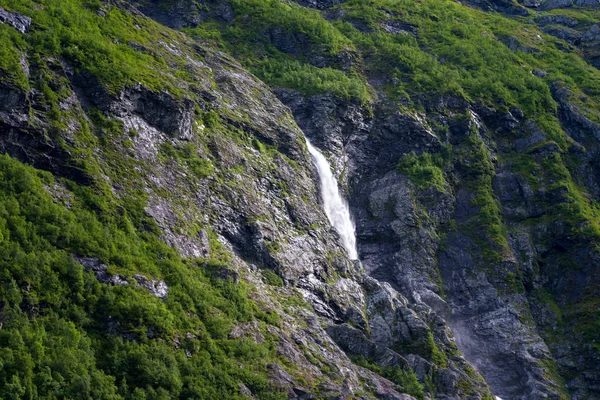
pixel 336 207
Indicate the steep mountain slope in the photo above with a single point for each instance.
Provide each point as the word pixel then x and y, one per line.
pixel 170 242
pixel 175 245
pixel 497 227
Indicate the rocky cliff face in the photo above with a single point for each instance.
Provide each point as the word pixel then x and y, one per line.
pixel 497 287
pixel 424 242
pixel 222 171
pixel 476 221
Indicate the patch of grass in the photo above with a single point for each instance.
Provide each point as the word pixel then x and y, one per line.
pixel 426 170
pixel 271 278
pixel 406 379
pixel 74 31
pixel 188 155
pixel 289 18
pixel 310 80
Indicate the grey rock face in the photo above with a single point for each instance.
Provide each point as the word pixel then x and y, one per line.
pixel 100 271
pixel 319 4
pixel 17 21
pixel 557 20
pixel 396 244
pixel 155 287
pixel 391 249
pixel 355 343
pixel 552 4
pixel 503 6
pixel 587 3
pixel 519 200
pixel 513 44
pixel 581 33
pixel 32 145
pixel 160 110
pixel 11 98
pixel 398 27
pixel 570 35
pixel 487 327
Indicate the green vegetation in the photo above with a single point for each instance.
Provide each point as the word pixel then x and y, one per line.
pixel 406 379
pixel 271 278
pixel 64 334
pixel 188 155
pixel 92 41
pixel 438 357
pixel 455 51
pixel 312 80
pixel 293 19
pixel 11 48
pixel 580 212
pixel 426 169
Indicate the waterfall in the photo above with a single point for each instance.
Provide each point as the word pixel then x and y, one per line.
pixel 336 207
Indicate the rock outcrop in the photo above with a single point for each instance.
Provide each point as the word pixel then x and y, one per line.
pixel 17 21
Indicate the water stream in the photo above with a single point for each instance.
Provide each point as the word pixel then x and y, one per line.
pixel 336 207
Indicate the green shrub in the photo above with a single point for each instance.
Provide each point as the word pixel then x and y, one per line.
pixel 312 80
pixel 74 31
pixel 425 170
pixel 188 155
pixel 404 378
pixel 271 278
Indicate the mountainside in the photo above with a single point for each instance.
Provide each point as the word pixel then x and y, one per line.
pixel 163 233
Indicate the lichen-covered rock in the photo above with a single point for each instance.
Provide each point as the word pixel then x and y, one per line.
pixel 552 4
pixel 101 271
pixel 155 287
pixel 17 21
pixel 319 4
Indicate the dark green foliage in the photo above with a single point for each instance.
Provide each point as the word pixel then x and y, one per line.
pixel 446 48
pixel 293 19
pixel 11 49
pixel 474 164
pixel 305 30
pixel 272 278
pixel 406 379
pixel 188 154
pixel 426 169
pixel 312 80
pixel 581 213
pixel 65 335
pixel 74 31
pixel 432 352
pixel 455 50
